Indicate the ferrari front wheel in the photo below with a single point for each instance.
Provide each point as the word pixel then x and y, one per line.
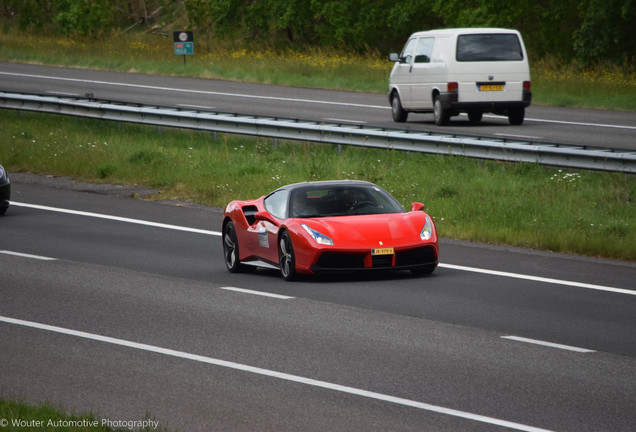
pixel 286 257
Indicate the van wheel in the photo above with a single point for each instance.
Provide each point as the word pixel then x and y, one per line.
pixel 398 113
pixel 475 116
pixel 516 115
pixel 441 116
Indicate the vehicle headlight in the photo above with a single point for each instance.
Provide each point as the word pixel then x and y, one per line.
pixel 1 172
pixel 318 236
pixel 427 231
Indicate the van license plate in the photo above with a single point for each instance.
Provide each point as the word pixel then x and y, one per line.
pixel 382 251
pixel 491 87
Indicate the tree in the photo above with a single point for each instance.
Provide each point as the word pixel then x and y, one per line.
pixel 84 17
pixel 606 31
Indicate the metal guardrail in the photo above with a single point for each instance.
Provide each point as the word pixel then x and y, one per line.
pixel 561 155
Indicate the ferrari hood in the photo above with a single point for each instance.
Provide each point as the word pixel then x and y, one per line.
pixel 371 229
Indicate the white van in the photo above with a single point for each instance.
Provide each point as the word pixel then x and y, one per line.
pixel 472 70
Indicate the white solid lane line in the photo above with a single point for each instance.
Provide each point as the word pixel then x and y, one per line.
pixel 116 218
pixel 548 344
pixel 309 101
pixel 205 92
pixel 259 293
pixel 540 279
pixel 275 374
pixel 24 255
pixel 442 265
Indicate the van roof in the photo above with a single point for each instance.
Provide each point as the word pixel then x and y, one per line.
pixel 466 30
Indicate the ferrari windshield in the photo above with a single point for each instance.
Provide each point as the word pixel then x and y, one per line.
pixel 341 200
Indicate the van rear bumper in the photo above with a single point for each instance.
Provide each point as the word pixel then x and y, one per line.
pixel 449 101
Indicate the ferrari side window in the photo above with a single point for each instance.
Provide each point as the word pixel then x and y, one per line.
pixel 276 203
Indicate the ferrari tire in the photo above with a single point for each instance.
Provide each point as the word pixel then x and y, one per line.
pixel 286 257
pixel 231 249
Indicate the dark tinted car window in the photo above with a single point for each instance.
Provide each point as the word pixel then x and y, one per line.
pixel 345 200
pixel 489 47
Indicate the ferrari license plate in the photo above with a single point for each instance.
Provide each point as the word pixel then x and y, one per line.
pixel 382 251
pixel 491 87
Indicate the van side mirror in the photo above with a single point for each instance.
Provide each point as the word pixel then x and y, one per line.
pixel 394 57
pixel 417 206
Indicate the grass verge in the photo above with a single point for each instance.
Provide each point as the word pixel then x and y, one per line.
pixel 582 212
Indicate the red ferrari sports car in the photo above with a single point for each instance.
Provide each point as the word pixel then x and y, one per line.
pixel 340 225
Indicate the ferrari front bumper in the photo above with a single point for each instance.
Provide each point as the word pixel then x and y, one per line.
pixel 406 259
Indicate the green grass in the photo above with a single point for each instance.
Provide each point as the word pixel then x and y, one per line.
pixel 24 417
pixel 582 212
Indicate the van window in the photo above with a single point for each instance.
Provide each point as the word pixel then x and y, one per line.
pixel 407 52
pixel 488 47
pixel 424 50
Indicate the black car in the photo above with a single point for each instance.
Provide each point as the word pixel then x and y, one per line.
pixel 5 190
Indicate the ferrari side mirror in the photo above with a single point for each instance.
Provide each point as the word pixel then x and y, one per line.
pixel 265 216
pixel 417 206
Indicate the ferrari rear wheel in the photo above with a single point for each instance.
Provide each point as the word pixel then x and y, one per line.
pixel 231 249
pixel 286 257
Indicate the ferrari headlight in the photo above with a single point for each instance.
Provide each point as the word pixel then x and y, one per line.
pixel 427 231
pixel 318 236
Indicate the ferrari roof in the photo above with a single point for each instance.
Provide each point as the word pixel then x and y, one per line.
pixel 326 183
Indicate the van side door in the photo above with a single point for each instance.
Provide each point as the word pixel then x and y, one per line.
pixel 401 73
pixel 421 75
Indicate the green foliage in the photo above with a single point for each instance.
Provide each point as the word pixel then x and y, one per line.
pixel 84 17
pixel 588 30
pixel 606 31
pixel 31 14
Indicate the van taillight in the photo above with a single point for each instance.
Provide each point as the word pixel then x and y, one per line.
pixel 526 85
pixel 452 87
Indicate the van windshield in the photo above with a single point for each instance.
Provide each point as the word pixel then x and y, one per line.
pixel 489 47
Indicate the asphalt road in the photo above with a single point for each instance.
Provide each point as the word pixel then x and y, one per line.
pixel 135 314
pixel 543 124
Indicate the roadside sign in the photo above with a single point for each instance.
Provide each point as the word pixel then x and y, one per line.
pixel 183 48
pixel 183 43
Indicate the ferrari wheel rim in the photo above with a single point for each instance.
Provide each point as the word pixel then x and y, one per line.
pixel 229 246
pixel 286 256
